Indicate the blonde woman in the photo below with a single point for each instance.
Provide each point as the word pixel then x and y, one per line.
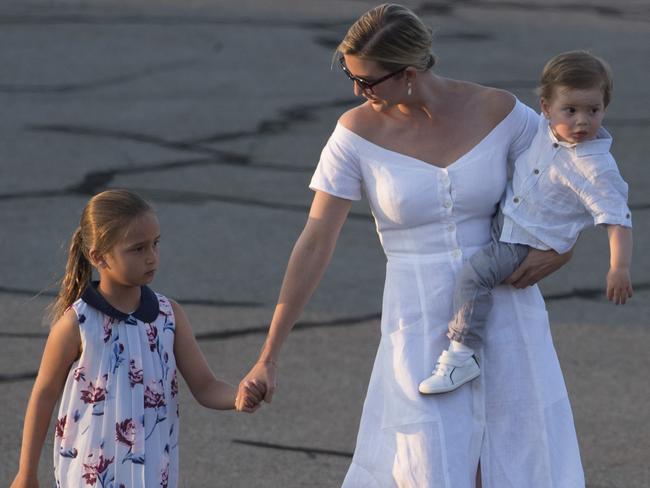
pixel 431 155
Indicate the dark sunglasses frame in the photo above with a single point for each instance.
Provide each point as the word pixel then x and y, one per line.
pixel 364 85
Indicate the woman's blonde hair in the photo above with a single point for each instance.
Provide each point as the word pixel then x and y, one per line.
pixel 578 70
pixel 103 223
pixel 392 36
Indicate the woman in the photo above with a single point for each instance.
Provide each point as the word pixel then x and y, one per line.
pixel 431 155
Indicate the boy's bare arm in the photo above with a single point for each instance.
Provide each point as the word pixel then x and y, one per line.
pixel 619 284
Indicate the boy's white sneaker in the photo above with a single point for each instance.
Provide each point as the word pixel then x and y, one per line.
pixel 450 373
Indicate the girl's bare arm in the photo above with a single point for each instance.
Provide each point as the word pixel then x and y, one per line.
pixel 205 387
pixel 61 350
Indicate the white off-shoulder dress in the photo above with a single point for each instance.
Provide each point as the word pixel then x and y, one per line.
pixel 516 418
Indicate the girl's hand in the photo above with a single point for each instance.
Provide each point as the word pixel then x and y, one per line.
pixel 261 379
pixel 619 285
pixel 253 394
pixel 25 481
pixel 537 266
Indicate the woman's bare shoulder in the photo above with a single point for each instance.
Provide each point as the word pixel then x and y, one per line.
pixel 492 105
pixel 497 103
pixel 361 120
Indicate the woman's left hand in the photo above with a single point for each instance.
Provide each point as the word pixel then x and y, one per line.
pixel 537 266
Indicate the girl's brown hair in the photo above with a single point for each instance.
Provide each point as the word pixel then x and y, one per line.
pixel 578 70
pixel 102 224
pixel 392 36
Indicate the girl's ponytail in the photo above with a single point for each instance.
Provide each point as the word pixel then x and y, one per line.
pixel 78 273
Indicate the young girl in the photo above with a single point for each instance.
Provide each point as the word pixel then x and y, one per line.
pixel 566 181
pixel 114 349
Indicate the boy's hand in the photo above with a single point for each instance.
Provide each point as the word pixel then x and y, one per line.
pixel 619 285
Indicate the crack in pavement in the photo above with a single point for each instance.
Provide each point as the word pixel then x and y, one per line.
pixel 132 136
pixel 311 452
pixel 183 301
pixel 195 197
pixel 207 336
pixel 95 84
pixel 166 20
pixel 441 8
pixel 594 294
pixel 279 123
pixel 603 10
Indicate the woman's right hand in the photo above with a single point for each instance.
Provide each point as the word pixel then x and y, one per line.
pixel 262 377
pixel 24 481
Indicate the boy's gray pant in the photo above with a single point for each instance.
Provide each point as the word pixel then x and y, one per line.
pixel 486 269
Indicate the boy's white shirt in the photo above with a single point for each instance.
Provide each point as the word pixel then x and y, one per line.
pixel 558 189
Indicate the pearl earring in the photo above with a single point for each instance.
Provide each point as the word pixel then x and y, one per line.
pixel 409 91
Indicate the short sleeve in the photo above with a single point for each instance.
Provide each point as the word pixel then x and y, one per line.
pixel 338 170
pixel 605 198
pixel 525 125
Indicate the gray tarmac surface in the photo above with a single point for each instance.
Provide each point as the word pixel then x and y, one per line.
pixel 217 112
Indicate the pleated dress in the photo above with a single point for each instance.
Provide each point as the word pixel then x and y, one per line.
pixel 117 424
pixel 515 419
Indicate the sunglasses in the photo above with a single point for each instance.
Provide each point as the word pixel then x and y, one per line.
pixel 365 85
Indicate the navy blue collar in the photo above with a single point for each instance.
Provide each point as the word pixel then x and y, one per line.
pixel 147 310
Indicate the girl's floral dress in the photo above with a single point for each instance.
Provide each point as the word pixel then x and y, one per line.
pixel 118 421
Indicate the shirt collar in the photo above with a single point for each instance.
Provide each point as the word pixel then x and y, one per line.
pixel 601 144
pixel 147 310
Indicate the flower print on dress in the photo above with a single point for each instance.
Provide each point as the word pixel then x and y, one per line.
pixel 126 433
pixel 95 395
pixel 118 356
pixel 174 384
pixel 95 469
pixel 108 327
pixel 59 427
pixel 68 453
pixel 152 335
pixel 154 397
pixel 136 376
pixel 79 374
pixel 164 471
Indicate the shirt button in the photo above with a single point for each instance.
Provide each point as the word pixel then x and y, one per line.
pixel 516 199
pixel 536 171
pixel 451 227
pixel 555 144
pixel 447 204
pixel 456 253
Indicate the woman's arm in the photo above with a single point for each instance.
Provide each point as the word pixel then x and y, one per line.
pixel 61 350
pixel 619 285
pixel 309 259
pixel 191 363
pixel 537 266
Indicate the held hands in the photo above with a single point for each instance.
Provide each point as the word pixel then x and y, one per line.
pixel 259 384
pixel 619 285
pixel 537 265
